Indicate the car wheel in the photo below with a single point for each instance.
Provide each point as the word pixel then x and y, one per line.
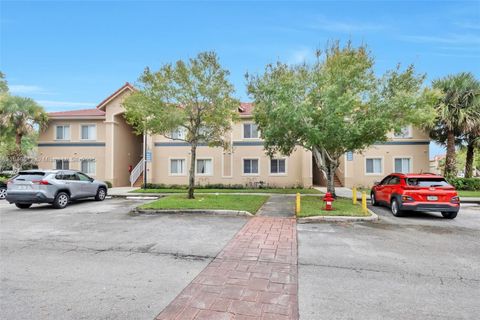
pixel 23 205
pixel 101 194
pixel 373 199
pixel 395 208
pixel 3 193
pixel 61 200
pixel 449 215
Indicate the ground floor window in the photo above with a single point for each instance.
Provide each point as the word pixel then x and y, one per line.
pixel 403 165
pixel 62 164
pixel 204 166
pixel 177 166
pixel 277 166
pixel 250 166
pixel 88 166
pixel 373 165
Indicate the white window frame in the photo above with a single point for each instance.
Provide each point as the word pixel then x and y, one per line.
pixel 94 131
pixel 243 131
pixel 63 160
pixel 243 166
pixel 407 136
pixel 179 129
pixel 279 173
pixel 403 157
pixel 170 173
pixel 69 132
pixel 94 166
pixel 382 164
pixel 196 166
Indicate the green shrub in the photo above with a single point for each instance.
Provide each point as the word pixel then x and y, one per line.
pixel 471 184
pixel 108 183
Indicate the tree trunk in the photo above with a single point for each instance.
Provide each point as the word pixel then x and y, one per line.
pixel 331 178
pixel 328 168
pixel 191 177
pixel 469 159
pixel 18 141
pixel 450 159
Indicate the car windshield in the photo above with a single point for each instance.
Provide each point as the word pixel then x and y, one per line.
pixel 29 176
pixel 427 182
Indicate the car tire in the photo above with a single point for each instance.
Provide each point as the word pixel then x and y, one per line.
pixel 101 194
pixel 373 199
pixel 23 205
pixel 449 215
pixel 61 200
pixel 395 208
pixel 3 193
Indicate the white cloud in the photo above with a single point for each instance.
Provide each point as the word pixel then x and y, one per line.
pixel 453 39
pixel 65 104
pixel 301 55
pixel 26 89
pixel 323 23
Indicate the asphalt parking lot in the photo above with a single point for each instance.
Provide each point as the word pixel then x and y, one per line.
pixel 417 267
pixel 95 261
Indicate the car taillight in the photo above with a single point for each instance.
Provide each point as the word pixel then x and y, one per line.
pixel 455 200
pixel 42 182
pixel 407 199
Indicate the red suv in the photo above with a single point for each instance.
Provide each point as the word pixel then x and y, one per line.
pixel 416 192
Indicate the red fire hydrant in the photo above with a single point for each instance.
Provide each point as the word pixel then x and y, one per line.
pixel 328 199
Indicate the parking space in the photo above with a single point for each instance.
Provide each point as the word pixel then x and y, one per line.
pixel 93 260
pixel 417 267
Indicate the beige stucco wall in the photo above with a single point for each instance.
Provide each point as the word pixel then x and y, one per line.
pixel 228 164
pixel 72 149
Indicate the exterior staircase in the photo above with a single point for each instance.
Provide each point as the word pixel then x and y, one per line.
pixel 139 181
pixel 136 176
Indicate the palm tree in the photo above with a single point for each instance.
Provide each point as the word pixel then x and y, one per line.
pixel 457 113
pixel 20 117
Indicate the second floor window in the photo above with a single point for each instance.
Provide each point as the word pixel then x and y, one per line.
pixel 178 134
pixel 405 132
pixel 62 133
pixel 250 131
pixel 88 132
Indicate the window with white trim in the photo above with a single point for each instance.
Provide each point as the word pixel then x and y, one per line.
pixel 88 132
pixel 373 165
pixel 62 164
pixel 204 166
pixel 405 132
pixel 277 166
pixel 403 165
pixel 62 132
pixel 250 166
pixel 88 166
pixel 177 166
pixel 250 131
pixel 179 134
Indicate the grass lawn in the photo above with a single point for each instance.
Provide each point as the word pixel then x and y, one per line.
pixel 198 191
pixel 465 193
pixel 313 206
pixel 250 203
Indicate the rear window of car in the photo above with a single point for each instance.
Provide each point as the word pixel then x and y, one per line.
pixel 427 182
pixel 29 176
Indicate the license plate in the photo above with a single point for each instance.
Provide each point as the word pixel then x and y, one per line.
pixel 432 198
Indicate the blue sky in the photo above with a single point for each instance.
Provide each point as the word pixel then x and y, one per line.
pixel 72 54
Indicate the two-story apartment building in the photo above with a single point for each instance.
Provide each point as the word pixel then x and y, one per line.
pixel 102 144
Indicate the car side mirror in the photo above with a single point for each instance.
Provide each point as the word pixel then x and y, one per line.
pixel 91 179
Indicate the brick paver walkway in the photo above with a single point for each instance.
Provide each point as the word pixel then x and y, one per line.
pixel 254 277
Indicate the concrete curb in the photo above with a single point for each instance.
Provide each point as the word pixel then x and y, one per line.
pixel 318 219
pixel 193 211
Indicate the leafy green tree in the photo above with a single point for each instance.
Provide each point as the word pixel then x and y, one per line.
pixel 335 105
pixel 19 118
pixel 457 115
pixel 3 84
pixel 195 97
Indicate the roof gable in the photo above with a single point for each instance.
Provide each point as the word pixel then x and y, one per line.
pixel 126 87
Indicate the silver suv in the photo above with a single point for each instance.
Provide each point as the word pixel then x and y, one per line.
pixel 57 187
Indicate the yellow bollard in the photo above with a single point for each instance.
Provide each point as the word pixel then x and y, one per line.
pixel 354 195
pixel 364 202
pixel 297 204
